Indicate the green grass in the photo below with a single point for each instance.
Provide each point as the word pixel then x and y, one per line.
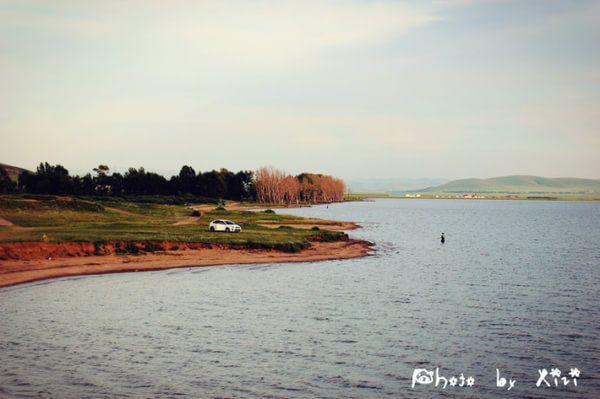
pixel 98 221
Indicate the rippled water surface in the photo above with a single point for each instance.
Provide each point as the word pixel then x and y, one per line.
pixel 515 287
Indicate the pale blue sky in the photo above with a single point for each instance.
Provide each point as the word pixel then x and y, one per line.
pixel 356 89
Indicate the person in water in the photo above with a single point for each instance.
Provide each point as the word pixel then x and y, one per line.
pixel 443 239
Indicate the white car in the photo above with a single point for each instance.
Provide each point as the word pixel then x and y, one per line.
pixel 224 225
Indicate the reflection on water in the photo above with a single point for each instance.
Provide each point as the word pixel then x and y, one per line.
pixel 515 287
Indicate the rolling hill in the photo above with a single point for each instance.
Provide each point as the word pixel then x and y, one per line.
pixel 13 171
pixel 519 185
pixel 388 185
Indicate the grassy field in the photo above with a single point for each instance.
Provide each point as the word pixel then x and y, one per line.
pixel 57 219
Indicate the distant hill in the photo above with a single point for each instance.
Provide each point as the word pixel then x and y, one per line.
pixel 520 185
pixel 382 185
pixel 13 171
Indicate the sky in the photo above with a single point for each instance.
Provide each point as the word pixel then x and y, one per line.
pixel 357 89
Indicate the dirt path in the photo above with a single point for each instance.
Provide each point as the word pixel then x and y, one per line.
pixel 188 220
pixel 4 222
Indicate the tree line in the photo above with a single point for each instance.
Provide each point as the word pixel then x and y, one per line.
pixel 55 179
pixel 276 187
pixel 267 185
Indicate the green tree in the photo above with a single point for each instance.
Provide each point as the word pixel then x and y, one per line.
pixel 7 185
pixel 187 182
pixel 101 171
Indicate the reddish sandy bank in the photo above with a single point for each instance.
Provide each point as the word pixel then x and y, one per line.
pixel 27 262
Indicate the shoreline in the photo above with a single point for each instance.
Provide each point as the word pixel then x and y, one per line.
pixel 124 236
pixel 16 271
pixel 483 197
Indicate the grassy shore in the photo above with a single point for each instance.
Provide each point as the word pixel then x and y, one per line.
pixel 43 237
pixel 69 219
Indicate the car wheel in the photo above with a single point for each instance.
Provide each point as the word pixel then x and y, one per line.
pixel 212 228
pixel 227 229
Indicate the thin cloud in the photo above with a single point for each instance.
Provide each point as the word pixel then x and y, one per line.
pixel 254 33
pixel 416 87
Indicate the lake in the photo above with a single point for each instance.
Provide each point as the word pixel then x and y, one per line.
pixel 516 287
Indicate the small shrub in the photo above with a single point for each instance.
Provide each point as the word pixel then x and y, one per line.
pixel 131 248
pixel 98 250
pixel 149 246
pixel 283 227
pixel 291 246
pixel 196 213
pixel 119 248
pixel 331 236
pixel 269 211
pixel 220 208
pixel 315 228
pixel 254 245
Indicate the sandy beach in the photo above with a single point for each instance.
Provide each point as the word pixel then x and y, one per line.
pixel 34 267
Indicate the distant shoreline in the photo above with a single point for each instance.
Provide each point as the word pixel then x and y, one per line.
pixel 478 196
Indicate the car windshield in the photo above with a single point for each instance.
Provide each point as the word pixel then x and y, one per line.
pixel 229 222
